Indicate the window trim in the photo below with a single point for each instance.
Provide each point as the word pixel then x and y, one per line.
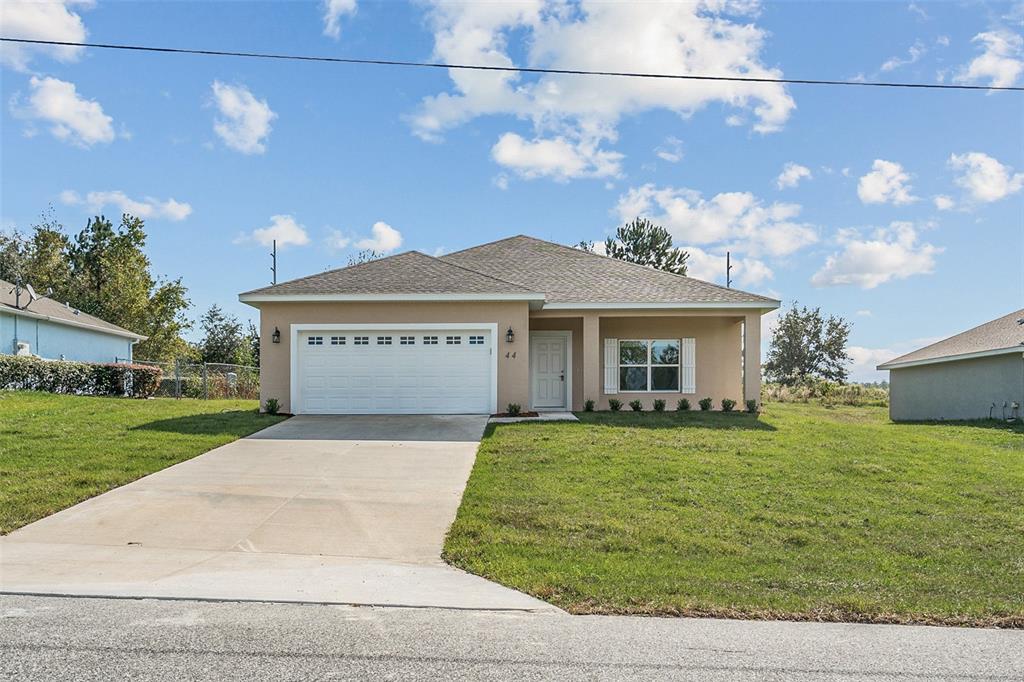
pixel 649 365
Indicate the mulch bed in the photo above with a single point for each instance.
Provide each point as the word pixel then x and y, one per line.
pixel 521 414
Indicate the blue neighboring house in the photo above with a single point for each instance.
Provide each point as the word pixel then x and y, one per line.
pixel 45 328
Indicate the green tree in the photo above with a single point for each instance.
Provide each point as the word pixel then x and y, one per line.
pixel 364 256
pixel 249 353
pixel 222 340
pixel 645 243
pixel 805 345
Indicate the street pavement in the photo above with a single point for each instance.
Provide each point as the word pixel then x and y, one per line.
pixel 61 638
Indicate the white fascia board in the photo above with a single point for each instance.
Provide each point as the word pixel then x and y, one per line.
pixel 764 305
pixel 952 358
pixel 327 298
pixel 73 323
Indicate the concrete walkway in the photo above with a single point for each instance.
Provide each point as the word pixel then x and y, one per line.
pixel 348 510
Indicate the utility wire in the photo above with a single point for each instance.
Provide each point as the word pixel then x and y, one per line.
pixel 514 69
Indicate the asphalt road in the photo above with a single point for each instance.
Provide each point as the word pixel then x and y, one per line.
pixel 48 638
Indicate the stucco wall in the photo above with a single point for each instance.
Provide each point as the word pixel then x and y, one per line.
pixel 718 348
pixel 275 359
pixel 964 389
pixel 50 340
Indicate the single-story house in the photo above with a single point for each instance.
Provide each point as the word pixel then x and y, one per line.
pixel 519 320
pixel 45 328
pixel 974 375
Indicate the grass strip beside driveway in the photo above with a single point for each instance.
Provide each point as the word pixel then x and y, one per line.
pixel 805 513
pixel 57 450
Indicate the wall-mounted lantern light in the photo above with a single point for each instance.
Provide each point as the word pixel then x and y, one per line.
pixel 276 336
pixel 510 335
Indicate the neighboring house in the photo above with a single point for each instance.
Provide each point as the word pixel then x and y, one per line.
pixel 518 320
pixel 45 328
pixel 974 375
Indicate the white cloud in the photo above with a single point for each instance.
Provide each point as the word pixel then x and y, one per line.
pixel 282 228
pixel 887 182
pixel 942 41
pixel 984 178
pixel 555 158
pixel 864 313
pixel 71 118
pixel 792 174
pixel 334 10
pixel 918 10
pixel 584 112
pixel 889 253
pixel 738 220
pixel 1000 63
pixel 914 53
pixel 500 181
pixel 671 150
pixel 336 240
pixel 384 239
pixel 864 360
pixel 36 20
pixel 244 122
pixel 148 207
pixel 943 202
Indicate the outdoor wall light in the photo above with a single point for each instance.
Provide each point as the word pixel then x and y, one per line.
pixel 510 335
pixel 276 336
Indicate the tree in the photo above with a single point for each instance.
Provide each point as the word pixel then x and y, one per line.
pixel 806 345
pixel 584 245
pixel 249 354
pixel 222 337
pixel 105 272
pixel 364 256
pixel 645 243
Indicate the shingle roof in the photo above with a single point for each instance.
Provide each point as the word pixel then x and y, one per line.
pixel 1007 332
pixel 58 312
pixel 411 272
pixel 569 275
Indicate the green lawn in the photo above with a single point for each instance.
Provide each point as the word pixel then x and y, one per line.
pixel 57 450
pixel 802 513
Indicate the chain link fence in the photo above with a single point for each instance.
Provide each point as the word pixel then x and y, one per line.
pixel 206 380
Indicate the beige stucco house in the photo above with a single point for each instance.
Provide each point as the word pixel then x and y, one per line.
pixel 977 374
pixel 518 320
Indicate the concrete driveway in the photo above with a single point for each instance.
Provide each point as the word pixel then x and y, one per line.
pixel 347 509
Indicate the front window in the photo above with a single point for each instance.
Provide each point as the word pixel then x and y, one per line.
pixel 649 365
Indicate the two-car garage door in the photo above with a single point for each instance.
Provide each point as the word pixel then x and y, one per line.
pixel 394 371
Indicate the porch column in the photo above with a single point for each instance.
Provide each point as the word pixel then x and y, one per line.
pixel 591 358
pixel 752 357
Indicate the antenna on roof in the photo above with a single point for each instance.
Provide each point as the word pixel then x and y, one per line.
pixel 273 263
pixel 728 270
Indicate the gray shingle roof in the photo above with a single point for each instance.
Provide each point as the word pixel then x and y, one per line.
pixel 1000 334
pixel 58 312
pixel 411 272
pixel 568 275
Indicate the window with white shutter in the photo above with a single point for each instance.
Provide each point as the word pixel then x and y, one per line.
pixel 611 366
pixel 688 366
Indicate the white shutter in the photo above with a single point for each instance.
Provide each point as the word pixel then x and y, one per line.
pixel 688 366
pixel 611 366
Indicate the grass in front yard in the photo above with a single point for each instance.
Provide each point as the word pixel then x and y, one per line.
pixel 57 450
pixel 804 513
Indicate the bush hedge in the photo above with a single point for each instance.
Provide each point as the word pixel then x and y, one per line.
pixel 77 378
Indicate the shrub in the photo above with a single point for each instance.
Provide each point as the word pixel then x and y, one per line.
pixel 828 393
pixel 636 405
pixel 513 409
pixel 614 404
pixel 78 378
pixel 683 405
pixel 588 405
pixel 659 405
pixel 705 404
pixel 272 406
pixel 751 406
pixel 728 404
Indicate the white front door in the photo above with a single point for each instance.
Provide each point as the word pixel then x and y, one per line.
pixel 548 369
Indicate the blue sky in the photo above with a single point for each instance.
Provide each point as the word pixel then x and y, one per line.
pixel 901 210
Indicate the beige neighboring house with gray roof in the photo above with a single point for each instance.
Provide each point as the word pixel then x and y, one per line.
pixel 519 320
pixel 974 375
pixel 45 328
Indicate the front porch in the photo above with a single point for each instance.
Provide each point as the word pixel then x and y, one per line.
pixel 637 354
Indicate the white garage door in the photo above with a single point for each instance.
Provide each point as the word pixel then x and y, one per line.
pixel 394 371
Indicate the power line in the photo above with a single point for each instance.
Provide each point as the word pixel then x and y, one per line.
pixel 513 69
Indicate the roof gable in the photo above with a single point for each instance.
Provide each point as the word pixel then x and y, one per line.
pixel 572 276
pixel 1005 333
pixel 408 273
